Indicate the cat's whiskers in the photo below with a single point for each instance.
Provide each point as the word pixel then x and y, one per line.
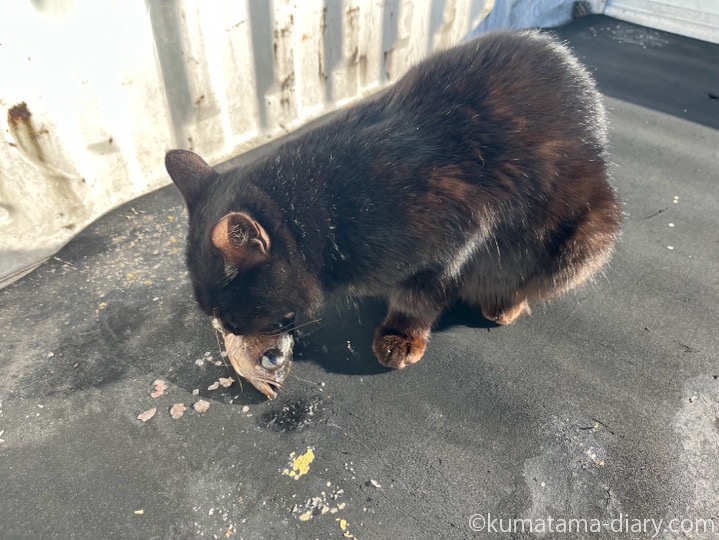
pixel 319 326
pixel 289 328
pixel 303 380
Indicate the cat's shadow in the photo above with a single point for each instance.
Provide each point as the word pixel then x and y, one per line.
pixel 341 340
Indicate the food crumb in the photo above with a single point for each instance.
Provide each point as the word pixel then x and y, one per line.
pixel 196 392
pixel 201 406
pixel 375 483
pixel 225 382
pixel 139 512
pixel 149 413
pixel 177 410
pixel 160 387
pixel 214 386
pixel 300 464
pixel 246 409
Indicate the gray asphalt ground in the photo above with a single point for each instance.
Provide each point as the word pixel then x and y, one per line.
pixel 603 405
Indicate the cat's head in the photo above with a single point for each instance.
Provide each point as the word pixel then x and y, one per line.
pixel 243 266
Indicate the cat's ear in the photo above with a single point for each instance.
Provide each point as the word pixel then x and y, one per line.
pixel 242 241
pixel 189 172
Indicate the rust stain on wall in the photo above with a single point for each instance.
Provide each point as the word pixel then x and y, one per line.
pixel 19 118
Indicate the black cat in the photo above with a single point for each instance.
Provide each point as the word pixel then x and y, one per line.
pixel 481 175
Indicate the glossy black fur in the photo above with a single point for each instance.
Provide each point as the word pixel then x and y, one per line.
pixel 480 175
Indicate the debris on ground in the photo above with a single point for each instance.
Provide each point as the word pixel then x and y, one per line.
pixel 159 388
pixel 301 464
pixel 201 406
pixel 319 505
pixel 177 410
pixel 149 413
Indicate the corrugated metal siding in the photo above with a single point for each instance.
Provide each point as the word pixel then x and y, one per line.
pixel 93 92
pixel 694 18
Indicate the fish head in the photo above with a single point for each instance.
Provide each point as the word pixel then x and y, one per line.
pixel 264 360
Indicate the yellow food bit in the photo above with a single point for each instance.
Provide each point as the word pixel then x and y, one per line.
pixel 301 464
pixel 139 512
pixel 306 516
pixel 344 526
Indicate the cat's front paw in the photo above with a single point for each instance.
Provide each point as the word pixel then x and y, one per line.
pixel 395 350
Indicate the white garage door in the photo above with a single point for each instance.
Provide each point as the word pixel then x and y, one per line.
pixel 694 18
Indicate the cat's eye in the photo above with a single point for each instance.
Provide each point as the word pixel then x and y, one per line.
pixel 272 359
pixel 285 322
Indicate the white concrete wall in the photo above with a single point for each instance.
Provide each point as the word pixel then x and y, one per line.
pixel 94 92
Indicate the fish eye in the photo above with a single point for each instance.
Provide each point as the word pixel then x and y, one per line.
pixel 272 359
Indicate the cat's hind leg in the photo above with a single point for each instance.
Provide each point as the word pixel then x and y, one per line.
pixel 506 278
pixel 504 314
pixel 494 284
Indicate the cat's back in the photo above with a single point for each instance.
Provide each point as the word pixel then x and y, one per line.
pixel 498 62
pixel 519 81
